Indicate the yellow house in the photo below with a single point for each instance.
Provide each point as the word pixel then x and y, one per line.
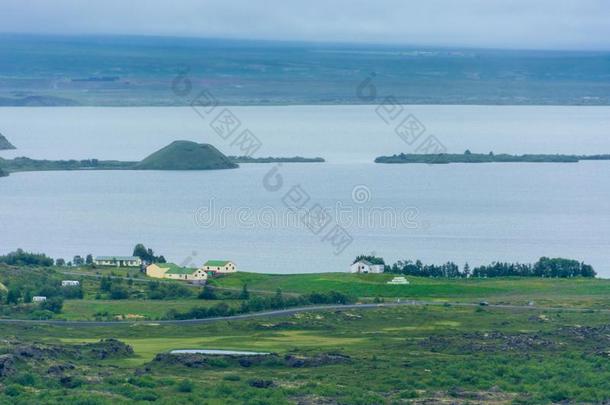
pixel 154 270
pixel 174 272
pixel 220 266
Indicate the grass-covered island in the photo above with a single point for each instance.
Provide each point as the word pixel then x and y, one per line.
pixel 294 159
pixel 469 157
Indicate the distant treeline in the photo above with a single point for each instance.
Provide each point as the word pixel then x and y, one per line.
pixel 545 267
pixel 295 159
pixel 468 157
pixel 22 258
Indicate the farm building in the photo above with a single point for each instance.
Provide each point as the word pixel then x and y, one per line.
pixel 220 266
pixel 118 261
pixel 364 266
pixel 174 272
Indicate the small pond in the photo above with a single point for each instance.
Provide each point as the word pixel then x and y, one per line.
pixel 220 352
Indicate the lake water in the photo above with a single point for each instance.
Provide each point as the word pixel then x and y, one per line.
pixel 214 352
pixel 463 213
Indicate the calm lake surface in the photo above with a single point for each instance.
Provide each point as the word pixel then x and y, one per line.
pixel 464 213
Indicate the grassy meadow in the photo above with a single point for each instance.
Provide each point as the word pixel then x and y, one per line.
pixel 575 292
pixel 439 354
pixel 429 353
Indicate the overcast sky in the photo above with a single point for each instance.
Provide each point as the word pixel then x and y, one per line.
pixel 549 24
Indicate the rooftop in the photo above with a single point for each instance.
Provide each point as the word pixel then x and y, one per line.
pixel 175 269
pixel 215 263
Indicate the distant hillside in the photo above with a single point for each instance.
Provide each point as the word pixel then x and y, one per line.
pixel 37 101
pixel 186 155
pixel 5 144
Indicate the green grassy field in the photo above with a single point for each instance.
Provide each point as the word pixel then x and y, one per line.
pixel 130 309
pixel 396 355
pixel 580 292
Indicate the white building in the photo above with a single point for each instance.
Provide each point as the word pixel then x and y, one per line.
pixel 70 283
pixel 39 298
pixel 220 266
pixel 118 261
pixel 364 266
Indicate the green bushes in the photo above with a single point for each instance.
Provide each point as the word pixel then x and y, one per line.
pixel 22 258
pixel 185 386
pixel 168 291
pixel 260 303
pixel 53 304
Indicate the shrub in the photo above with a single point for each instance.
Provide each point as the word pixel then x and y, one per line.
pixel 185 386
pixel 53 304
pixel 207 293
pixel 143 382
pixel 118 292
pixel 13 390
pixel 26 379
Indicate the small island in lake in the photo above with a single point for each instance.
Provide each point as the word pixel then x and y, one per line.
pixel 469 157
pixel 5 144
pixel 186 155
pixel 295 159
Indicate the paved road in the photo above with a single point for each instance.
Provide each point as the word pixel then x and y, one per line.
pixel 287 312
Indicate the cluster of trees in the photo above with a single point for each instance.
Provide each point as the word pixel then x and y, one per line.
pixel 76 261
pixel 417 268
pixel 544 267
pixel 262 303
pixel 115 288
pixel 168 291
pixel 147 255
pixel 79 261
pixel 22 258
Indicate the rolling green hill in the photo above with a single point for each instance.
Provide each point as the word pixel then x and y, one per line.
pixel 186 155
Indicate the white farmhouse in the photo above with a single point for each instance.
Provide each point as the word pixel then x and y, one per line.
pixel 219 266
pixel 39 298
pixel 70 283
pixel 118 261
pixel 364 266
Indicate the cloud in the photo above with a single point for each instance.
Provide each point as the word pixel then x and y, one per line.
pixel 562 24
